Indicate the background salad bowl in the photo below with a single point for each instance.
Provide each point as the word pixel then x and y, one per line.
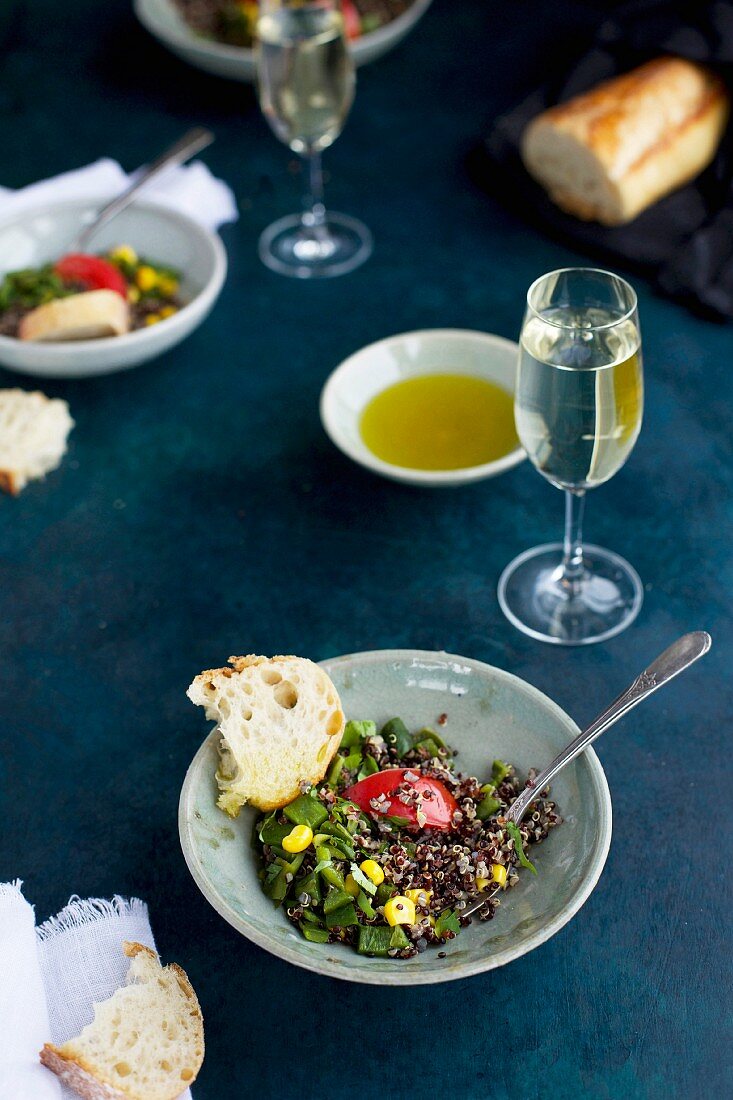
pixel 165 22
pixel 490 714
pixel 32 237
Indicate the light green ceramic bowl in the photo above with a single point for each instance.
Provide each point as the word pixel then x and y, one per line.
pixel 490 714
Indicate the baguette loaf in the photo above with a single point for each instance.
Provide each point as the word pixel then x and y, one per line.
pixel 33 433
pixel 280 722
pixel 146 1042
pixel 608 154
pixel 86 316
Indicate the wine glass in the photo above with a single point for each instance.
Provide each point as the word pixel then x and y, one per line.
pixel 305 80
pixel 578 409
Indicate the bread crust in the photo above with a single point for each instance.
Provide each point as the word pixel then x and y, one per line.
pixel 74 1074
pixel 608 154
pixel 9 482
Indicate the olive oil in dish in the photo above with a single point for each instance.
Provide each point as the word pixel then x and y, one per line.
pixel 440 422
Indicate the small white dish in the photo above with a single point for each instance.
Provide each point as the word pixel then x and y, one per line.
pixel 165 22
pixel 411 354
pixel 33 237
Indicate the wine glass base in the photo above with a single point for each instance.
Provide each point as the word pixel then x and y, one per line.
pixel 335 246
pixel 603 602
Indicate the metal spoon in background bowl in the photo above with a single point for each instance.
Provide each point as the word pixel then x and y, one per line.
pixel 182 150
pixel 679 656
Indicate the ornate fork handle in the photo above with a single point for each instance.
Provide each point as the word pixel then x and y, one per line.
pixel 674 660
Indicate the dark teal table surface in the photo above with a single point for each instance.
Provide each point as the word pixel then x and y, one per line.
pixel 201 512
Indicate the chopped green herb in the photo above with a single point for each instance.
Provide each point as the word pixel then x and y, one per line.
pixel 356 732
pixel 516 836
pixel 361 879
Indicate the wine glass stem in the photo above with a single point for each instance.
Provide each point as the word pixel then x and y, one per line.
pixel 314 214
pixel 571 569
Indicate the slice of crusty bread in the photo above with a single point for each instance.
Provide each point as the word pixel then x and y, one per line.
pixel 85 316
pixel 145 1043
pixel 280 721
pixel 608 154
pixel 33 432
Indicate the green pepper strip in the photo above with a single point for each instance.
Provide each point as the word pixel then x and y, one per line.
pixel 397 736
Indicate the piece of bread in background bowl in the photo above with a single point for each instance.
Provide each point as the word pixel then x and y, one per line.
pixel 281 722
pixel 89 315
pixel 608 154
pixel 146 1041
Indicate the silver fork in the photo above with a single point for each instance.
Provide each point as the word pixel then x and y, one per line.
pixel 182 150
pixel 679 656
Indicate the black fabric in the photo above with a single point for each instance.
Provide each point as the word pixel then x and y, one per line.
pixel 684 243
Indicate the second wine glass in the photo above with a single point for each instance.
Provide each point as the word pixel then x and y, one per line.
pixel 306 87
pixel 578 410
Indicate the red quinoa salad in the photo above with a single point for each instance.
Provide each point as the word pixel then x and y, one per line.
pixel 387 851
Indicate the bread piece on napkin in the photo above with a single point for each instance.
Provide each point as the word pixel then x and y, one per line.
pixel 33 433
pixel 608 154
pixel 281 722
pixel 86 316
pixel 145 1043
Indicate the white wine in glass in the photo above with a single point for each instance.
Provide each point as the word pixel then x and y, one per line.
pixel 578 408
pixel 306 87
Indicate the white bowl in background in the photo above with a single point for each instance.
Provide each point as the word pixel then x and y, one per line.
pixel 411 354
pixel 36 236
pixel 165 22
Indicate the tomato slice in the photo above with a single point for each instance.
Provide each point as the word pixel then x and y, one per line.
pixel 438 805
pixel 92 271
pixel 352 19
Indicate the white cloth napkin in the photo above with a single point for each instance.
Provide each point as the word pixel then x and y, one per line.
pixel 188 188
pixel 50 977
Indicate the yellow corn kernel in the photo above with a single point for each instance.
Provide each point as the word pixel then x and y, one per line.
pixel 146 277
pixel 167 285
pixel 250 10
pixel 373 871
pixel 351 886
pixel 124 252
pixel 420 897
pixel 298 838
pixel 399 910
pixel 482 883
pixel 152 319
pixel 498 873
pixel 133 294
pixel 168 311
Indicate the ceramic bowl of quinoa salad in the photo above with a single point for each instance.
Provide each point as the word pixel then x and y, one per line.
pixel 216 35
pixel 365 876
